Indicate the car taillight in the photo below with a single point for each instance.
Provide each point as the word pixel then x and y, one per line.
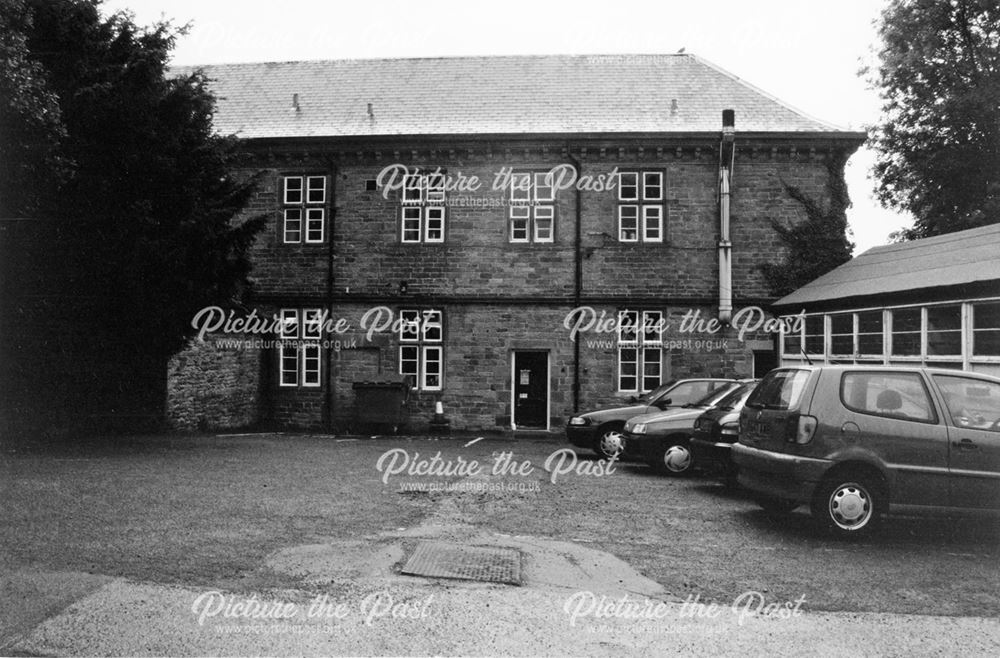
pixel 730 429
pixel 805 430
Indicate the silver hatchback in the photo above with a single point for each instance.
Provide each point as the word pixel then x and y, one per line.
pixel 854 442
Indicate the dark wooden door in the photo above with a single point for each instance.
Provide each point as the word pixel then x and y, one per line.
pixel 531 389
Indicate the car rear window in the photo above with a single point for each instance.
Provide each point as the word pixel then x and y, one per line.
pixel 714 397
pixel 688 392
pixel 780 389
pixel 899 395
pixel 732 399
pixel 972 403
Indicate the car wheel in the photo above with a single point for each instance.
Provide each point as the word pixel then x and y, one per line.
pixel 675 458
pixel 849 506
pixel 609 441
pixel 776 505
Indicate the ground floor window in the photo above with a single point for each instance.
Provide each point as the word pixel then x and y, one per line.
pixel 421 352
pixel 640 350
pixel 299 361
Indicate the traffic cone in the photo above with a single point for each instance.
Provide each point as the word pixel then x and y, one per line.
pixel 440 424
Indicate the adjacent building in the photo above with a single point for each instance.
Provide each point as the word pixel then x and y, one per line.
pixel 516 237
pixel 932 302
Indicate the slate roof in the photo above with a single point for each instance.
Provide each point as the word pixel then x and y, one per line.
pixel 495 95
pixel 960 258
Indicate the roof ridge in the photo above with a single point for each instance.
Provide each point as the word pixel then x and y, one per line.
pixel 909 245
pixel 446 58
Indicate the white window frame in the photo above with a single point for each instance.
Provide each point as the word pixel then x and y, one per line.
pixel 532 215
pixel 300 335
pixel 973 330
pixel 421 346
pixel 967 359
pixel 634 334
pixel 288 190
pixel 920 333
pixel 853 334
pixel 643 202
pixel 304 209
pixel 926 332
pixel 423 216
pixel 292 226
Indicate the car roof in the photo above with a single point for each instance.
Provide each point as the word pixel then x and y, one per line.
pixel 705 379
pixel 881 367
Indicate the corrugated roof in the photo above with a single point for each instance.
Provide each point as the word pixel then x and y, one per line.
pixel 494 95
pixel 959 258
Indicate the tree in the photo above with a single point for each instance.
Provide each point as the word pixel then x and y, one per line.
pixel 145 213
pixel 29 118
pixel 938 141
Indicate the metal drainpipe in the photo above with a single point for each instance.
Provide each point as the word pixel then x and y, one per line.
pixel 328 397
pixel 727 156
pixel 577 279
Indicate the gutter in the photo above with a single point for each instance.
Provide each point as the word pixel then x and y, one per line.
pixel 727 158
pixel 330 293
pixel 577 275
pixel 838 139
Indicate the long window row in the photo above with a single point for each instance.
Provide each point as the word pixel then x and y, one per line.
pixel 531 215
pixel 949 334
pixel 421 348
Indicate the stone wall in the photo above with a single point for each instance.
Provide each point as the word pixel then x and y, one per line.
pixel 498 296
pixel 214 384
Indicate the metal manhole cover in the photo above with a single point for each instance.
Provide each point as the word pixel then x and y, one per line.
pixel 442 560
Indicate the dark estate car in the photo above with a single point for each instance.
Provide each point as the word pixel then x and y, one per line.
pixel 854 442
pixel 663 439
pixel 715 432
pixel 600 430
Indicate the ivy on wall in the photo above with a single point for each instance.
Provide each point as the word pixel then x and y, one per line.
pixel 818 244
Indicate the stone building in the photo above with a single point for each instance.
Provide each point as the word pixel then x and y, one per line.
pixel 450 222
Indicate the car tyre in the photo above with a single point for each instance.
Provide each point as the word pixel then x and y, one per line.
pixel 849 506
pixel 676 458
pixel 609 441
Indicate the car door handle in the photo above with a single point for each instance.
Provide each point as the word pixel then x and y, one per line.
pixel 964 444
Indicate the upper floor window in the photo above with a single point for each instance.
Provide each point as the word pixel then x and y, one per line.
pixel 640 206
pixel 421 353
pixel 532 208
pixel 304 209
pixel 423 208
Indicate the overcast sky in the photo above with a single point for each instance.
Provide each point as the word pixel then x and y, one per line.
pixel 806 53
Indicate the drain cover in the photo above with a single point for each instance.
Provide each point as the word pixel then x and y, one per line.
pixel 442 560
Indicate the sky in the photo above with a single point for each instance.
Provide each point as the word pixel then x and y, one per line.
pixel 805 52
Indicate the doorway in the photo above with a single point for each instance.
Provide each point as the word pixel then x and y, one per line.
pixel 530 390
pixel 764 361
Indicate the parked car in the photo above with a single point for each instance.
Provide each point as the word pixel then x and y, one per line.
pixel 600 430
pixel 715 432
pixel 662 439
pixel 856 442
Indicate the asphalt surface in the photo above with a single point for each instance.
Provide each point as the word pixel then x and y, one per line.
pixel 574 600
